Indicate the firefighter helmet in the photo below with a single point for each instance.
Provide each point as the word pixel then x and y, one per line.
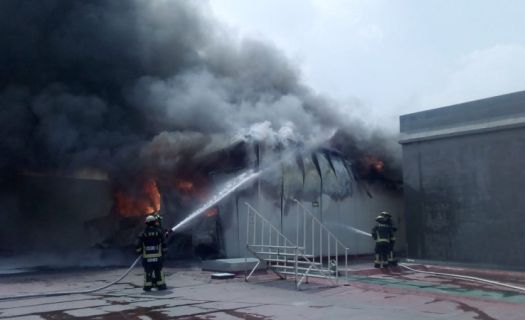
pixel 150 219
pixel 386 214
pixel 380 218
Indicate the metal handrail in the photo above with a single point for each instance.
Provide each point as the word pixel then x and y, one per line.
pixel 329 236
pixel 268 223
pixel 319 222
pixel 288 249
pixel 286 246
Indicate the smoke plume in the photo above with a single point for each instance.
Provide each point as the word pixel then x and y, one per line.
pixel 124 85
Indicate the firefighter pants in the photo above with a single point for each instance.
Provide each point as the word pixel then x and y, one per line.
pixel 391 257
pixel 381 254
pixel 153 275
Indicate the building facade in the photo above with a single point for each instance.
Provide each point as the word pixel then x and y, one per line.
pixel 463 177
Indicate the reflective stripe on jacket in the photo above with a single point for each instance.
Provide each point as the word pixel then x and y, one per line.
pixel 382 233
pixel 151 243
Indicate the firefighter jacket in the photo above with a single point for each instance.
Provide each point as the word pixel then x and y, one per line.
pixel 151 243
pixel 390 223
pixel 382 233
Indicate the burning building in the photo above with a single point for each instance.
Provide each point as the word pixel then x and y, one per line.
pixel 162 103
pixel 87 213
pixel 462 174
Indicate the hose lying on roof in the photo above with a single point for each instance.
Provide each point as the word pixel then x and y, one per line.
pixel 475 279
pixel 62 293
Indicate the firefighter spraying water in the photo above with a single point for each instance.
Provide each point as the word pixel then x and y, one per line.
pixel 151 244
pixel 384 235
pixel 392 260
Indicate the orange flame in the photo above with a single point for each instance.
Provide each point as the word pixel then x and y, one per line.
pixel 186 186
pixel 190 190
pixel 143 202
pixel 374 163
pixel 212 212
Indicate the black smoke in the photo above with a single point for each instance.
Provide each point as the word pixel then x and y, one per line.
pixel 124 85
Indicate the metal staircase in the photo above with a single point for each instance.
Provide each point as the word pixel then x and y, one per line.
pixel 303 259
pixel 320 242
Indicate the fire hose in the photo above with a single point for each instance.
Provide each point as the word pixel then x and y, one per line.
pixel 463 277
pixel 62 293
pixel 450 275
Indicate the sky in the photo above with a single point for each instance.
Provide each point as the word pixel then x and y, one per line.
pixel 384 58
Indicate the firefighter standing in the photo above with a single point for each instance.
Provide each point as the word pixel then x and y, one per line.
pixel 381 233
pixel 152 245
pixel 392 260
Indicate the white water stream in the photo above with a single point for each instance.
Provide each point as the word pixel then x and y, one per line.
pixel 225 190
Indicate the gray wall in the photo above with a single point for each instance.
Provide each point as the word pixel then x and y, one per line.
pixel 463 190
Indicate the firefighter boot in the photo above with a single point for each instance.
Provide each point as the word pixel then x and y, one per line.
pixel 147 282
pixel 159 276
pixel 392 260
pixel 376 262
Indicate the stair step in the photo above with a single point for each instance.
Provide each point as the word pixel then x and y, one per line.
pixel 313 270
pixel 288 261
pixel 312 275
pixel 274 246
pixel 284 254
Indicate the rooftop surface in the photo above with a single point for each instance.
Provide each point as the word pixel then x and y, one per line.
pixel 370 294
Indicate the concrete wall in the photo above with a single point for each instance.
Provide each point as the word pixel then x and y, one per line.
pixel 463 175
